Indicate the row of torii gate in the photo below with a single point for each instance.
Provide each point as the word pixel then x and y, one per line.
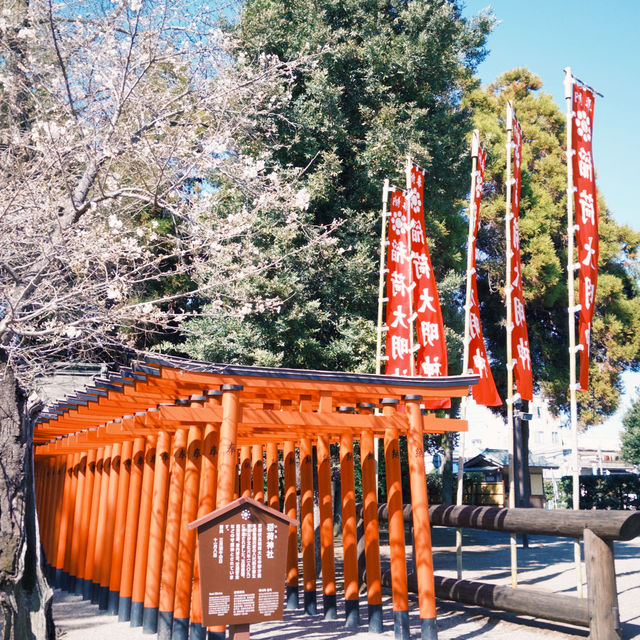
pixel 123 466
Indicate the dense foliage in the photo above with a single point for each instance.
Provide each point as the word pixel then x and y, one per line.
pixel 386 80
pixel 631 434
pixel 602 492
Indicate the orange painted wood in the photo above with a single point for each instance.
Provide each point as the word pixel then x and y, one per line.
pixel 245 471
pixel 420 511
pixel 326 518
pixel 349 533
pixel 227 455
pixel 72 510
pixel 290 509
pixel 61 540
pixel 112 502
pixel 273 499
pixel 77 517
pixel 46 504
pixel 398 560
pixel 87 497
pixel 257 472
pixel 206 504
pixel 370 516
pixel 53 521
pixel 93 517
pixel 131 526
pixel 172 530
pixel 144 520
pixel 101 537
pixel 117 549
pixel 306 516
pixel 186 547
pixel 158 520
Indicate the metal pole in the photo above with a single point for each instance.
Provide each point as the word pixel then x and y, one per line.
pixel 475 143
pixel 510 363
pixel 571 267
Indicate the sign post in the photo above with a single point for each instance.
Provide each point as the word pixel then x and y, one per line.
pixel 242 549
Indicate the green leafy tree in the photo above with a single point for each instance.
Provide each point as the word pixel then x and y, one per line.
pixel 631 434
pixel 385 80
pixel 543 233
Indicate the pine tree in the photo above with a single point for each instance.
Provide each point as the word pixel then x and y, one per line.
pixel 543 234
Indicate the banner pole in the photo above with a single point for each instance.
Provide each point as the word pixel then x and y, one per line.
pixel 475 143
pixel 381 300
pixel 412 365
pixel 571 266
pixel 383 255
pixel 510 396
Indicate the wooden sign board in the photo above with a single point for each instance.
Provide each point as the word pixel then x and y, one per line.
pixel 243 557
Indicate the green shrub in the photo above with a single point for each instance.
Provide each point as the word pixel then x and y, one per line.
pixel 619 491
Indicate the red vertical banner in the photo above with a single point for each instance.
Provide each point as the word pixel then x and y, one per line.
pixel 586 208
pixel 398 354
pixel 431 343
pixel 485 392
pixel 519 335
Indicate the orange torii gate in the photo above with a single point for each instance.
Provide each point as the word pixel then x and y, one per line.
pixel 124 465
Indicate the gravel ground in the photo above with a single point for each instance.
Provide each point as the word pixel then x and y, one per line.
pixel 547 565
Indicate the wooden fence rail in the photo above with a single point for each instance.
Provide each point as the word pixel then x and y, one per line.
pixel 599 529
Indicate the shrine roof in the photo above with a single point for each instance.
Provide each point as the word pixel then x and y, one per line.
pixel 169 392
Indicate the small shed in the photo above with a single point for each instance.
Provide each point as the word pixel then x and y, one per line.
pixel 493 488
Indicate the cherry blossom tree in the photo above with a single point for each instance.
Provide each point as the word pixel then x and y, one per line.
pixel 124 197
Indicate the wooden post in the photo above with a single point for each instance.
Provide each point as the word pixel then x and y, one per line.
pixel 119 529
pixel 257 472
pixel 156 533
pixel 186 547
pixel 227 459
pixel 475 147
pixel 371 529
pixel 67 581
pixel 131 530
pixel 142 539
pixel 421 525
pixel 604 616
pixel 329 604
pixel 349 528
pixel 290 509
pixel 272 476
pixel 112 500
pixel 172 536
pixel 239 632
pixel 101 537
pixel 93 525
pixel 307 528
pixel 397 553
pixel 511 397
pixel 571 267
pixel 61 539
pixel 77 517
pixel 245 471
pixel 206 504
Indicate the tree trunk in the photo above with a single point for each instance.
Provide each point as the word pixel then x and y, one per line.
pixel 25 596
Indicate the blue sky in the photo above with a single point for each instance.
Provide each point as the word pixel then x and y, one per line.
pixel 600 42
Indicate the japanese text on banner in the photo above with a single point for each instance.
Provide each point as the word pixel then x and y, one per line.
pixel 586 211
pixel 519 335
pixel 485 392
